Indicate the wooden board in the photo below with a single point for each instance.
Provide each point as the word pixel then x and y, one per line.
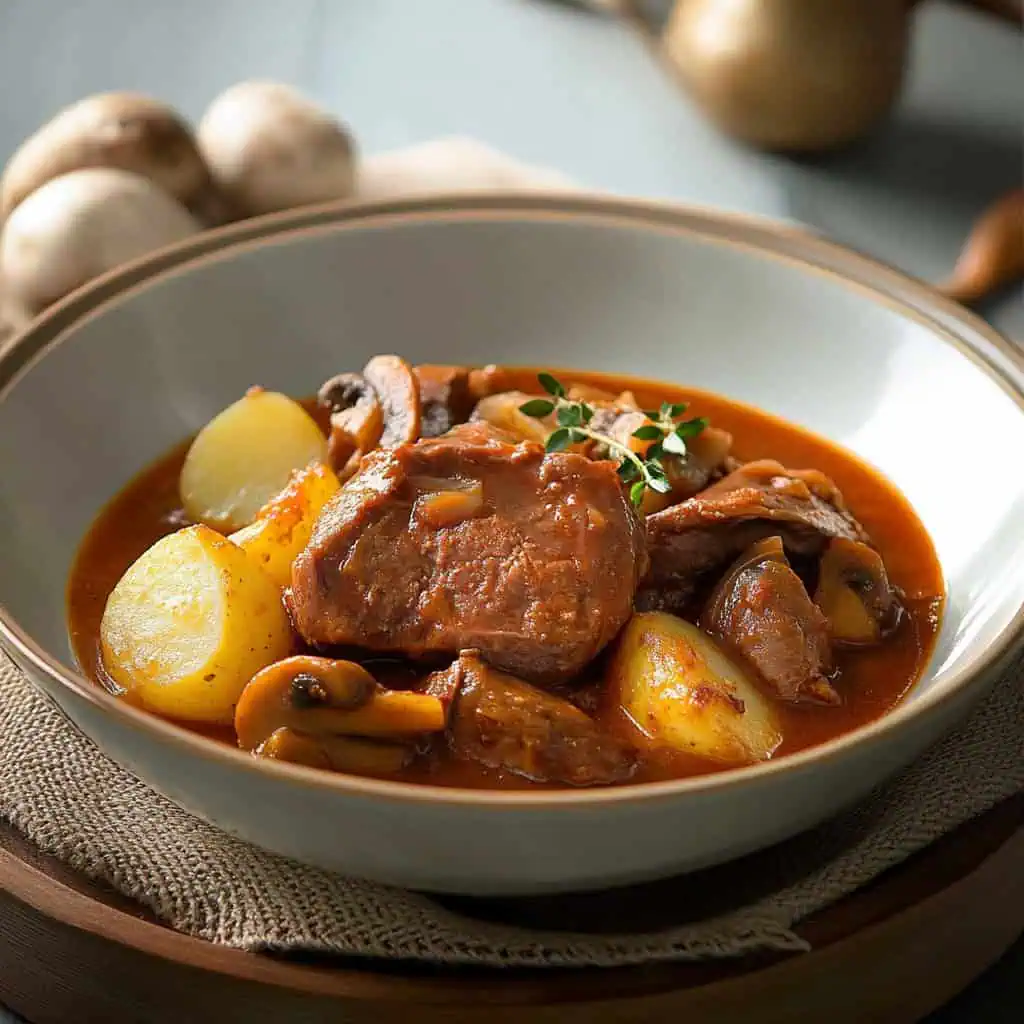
pixel 72 950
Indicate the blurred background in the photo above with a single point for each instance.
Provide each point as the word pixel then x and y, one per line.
pixel 929 94
pixel 884 124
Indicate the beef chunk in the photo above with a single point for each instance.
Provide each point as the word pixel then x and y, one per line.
pixel 471 541
pixel 761 610
pixel 699 537
pixel 502 722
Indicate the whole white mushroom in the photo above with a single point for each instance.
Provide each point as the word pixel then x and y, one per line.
pixel 269 148
pixel 117 129
pixel 80 225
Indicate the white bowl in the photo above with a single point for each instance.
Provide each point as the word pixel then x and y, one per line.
pixel 119 372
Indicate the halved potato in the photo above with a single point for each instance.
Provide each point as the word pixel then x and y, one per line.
pixel 190 623
pixel 682 692
pixel 283 526
pixel 245 455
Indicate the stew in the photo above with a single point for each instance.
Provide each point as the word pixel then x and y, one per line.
pixel 495 578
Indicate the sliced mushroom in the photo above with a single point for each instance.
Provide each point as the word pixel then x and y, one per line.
pixel 395 383
pixel 445 398
pixel 294 706
pixel 357 419
pixel 854 593
pixel 335 753
pixel 378 408
pixel 297 692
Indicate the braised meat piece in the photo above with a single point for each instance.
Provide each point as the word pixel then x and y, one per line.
pixel 471 541
pixel 855 595
pixel 761 610
pixel 698 537
pixel 502 722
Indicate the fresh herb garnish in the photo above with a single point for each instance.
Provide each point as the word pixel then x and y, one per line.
pixel 640 472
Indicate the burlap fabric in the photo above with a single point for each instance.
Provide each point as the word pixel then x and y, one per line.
pixel 76 804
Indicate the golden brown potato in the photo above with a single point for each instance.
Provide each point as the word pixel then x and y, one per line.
pixel 283 526
pixel 245 456
pixel 190 623
pixel 683 693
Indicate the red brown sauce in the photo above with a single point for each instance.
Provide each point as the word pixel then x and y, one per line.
pixel 872 680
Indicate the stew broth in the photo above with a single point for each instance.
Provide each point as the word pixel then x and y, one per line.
pixel 873 679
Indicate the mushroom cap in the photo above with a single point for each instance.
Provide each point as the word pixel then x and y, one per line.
pixel 399 393
pixel 357 419
pixel 380 407
pixel 80 225
pixel 269 148
pixel 299 693
pixel 855 594
pixel 332 714
pixel 117 130
pixel 345 390
pixel 336 753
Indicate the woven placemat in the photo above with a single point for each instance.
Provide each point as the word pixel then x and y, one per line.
pixel 79 806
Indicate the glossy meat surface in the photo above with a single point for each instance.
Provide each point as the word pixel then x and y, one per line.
pixel 761 610
pixel 502 722
pixel 470 541
pixel 761 499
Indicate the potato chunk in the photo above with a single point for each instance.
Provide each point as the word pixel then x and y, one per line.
pixel 190 623
pixel 245 455
pixel 683 693
pixel 502 411
pixel 283 526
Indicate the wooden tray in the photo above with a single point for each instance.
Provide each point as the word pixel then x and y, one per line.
pixel 70 950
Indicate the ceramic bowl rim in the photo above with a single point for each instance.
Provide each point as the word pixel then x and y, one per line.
pixel 952 323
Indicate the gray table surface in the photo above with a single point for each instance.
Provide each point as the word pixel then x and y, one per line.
pixel 579 92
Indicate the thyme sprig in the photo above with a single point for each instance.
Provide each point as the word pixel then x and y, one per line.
pixel 668 432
